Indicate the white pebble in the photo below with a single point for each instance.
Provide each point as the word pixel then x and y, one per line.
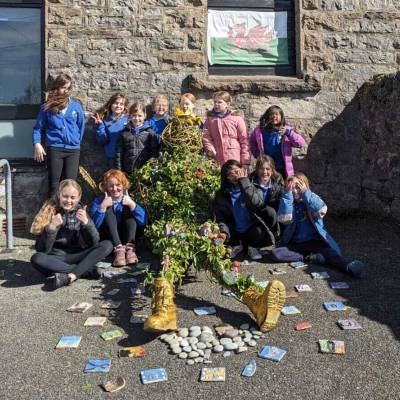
pixel 193 340
pixel 187 349
pixel 184 343
pixel 184 332
pixel 252 343
pixel 225 341
pixel 218 348
pixel 227 354
pixel 198 360
pixel 190 362
pixel 193 354
pixel 241 349
pixel 244 326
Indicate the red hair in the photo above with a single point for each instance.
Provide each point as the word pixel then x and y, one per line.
pixel 188 96
pixel 118 175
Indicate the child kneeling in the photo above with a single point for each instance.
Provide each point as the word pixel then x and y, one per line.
pixel 302 212
pixel 68 244
pixel 117 216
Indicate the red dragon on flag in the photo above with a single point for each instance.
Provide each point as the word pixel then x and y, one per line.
pixel 257 38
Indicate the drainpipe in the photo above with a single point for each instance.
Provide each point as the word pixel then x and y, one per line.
pixel 9 238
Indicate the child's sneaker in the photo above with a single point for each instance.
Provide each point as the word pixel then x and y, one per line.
pixel 60 279
pixel 119 260
pixel 357 269
pixel 253 253
pixel 130 255
pixel 235 250
pixel 316 258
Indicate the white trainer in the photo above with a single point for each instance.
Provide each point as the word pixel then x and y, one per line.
pixel 253 253
pixel 235 250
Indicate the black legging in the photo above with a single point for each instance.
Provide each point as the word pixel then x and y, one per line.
pixel 255 236
pixel 76 263
pixel 61 164
pixel 119 233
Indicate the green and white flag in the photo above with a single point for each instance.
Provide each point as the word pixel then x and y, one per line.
pixel 247 37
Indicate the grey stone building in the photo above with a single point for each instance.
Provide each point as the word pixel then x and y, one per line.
pixel 327 83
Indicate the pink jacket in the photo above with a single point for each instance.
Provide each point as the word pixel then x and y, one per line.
pixel 226 138
pixel 289 140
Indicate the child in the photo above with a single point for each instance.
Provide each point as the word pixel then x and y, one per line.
pixel 235 209
pixel 303 211
pixel 61 119
pixel 186 110
pixel 225 136
pixel 137 143
pixel 110 121
pixel 117 216
pixel 160 118
pixel 276 139
pixel 68 245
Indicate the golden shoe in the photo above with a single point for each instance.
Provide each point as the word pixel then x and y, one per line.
pixel 266 307
pixel 163 316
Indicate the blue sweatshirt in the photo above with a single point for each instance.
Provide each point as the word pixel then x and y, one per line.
pixel 158 124
pixel 240 214
pixel 108 132
pixel 139 213
pixel 64 129
pixel 305 230
pixel 272 148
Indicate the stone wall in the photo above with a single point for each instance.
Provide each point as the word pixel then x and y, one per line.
pixel 145 47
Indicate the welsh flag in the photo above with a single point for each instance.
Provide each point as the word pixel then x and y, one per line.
pixel 247 37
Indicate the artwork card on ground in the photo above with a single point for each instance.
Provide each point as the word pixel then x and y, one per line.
pixel 349 324
pixel 272 353
pixel 277 271
pixel 290 310
pixel 138 319
pixel 204 310
pixel 114 385
pixel 112 292
pixel 69 342
pixel 102 264
pixel 302 325
pixel 331 346
pixel 298 264
pixel 334 306
pixel 142 266
pixel 339 285
pixel 126 280
pixel 79 307
pixel 109 335
pixel 303 288
pixel 110 304
pixel 97 288
pixel 138 290
pixel 132 352
pixel 213 374
pixel 249 369
pixel 154 375
pixel 111 274
pixel 227 292
pixel 98 365
pixel 95 321
pixel 320 275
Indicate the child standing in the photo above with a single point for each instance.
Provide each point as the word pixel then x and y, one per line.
pixel 185 110
pixel 160 118
pixel 137 143
pixel 110 121
pixel 68 244
pixel 225 136
pixel 275 138
pixel 62 121
pixel 117 216
pixel 303 211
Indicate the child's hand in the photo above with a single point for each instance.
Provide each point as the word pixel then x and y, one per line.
pixel 282 130
pixel 81 216
pixel 97 119
pixel 211 154
pixel 107 202
pixel 301 186
pixel 39 152
pixel 241 173
pixel 56 222
pixel 128 201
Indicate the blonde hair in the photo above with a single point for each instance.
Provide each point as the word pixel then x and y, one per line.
pixel 225 96
pixel 300 177
pixel 48 209
pixel 159 98
pixel 118 175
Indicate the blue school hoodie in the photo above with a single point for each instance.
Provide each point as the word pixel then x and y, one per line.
pixel 108 132
pixel 158 124
pixel 64 129
pixel 240 213
pixel 273 148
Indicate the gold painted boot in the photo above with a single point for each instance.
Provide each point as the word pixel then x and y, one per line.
pixel 266 307
pixel 163 316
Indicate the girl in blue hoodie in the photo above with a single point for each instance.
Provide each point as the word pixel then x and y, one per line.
pixel 60 125
pixel 302 212
pixel 110 121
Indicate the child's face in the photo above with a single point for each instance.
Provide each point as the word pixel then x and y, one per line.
pixel 295 186
pixel 233 174
pixel 276 118
pixel 65 89
pixel 138 118
pixel 69 198
pixel 114 188
pixel 118 107
pixel 161 108
pixel 220 105
pixel 186 104
pixel 265 172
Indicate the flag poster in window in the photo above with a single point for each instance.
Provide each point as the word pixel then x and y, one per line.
pixel 247 37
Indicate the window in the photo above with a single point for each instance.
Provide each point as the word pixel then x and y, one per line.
pixel 21 74
pixel 255 39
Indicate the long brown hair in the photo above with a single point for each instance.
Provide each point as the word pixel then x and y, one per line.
pixel 261 160
pixel 105 111
pixel 48 209
pixel 56 102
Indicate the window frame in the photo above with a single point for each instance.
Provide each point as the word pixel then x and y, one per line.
pixel 27 111
pixel 288 70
